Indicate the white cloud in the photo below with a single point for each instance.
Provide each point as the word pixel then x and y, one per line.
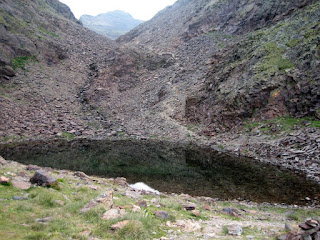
pixel 139 9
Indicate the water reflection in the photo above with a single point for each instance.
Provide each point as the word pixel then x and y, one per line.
pixel 170 168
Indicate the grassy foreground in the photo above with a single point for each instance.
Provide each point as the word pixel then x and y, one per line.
pixel 53 213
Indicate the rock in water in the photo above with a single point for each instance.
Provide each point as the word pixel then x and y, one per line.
pixel 42 178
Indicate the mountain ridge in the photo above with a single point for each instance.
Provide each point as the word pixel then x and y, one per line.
pixel 111 24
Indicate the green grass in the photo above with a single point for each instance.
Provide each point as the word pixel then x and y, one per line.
pixel 22 61
pixel 286 124
pixel 273 60
pixel 69 136
pixel 52 34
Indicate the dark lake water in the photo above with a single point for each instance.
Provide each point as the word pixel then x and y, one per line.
pixel 170 167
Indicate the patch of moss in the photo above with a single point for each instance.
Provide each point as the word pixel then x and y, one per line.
pixel 293 43
pixel 69 136
pixel 22 61
pixel 43 30
pixel 273 60
pixel 2 20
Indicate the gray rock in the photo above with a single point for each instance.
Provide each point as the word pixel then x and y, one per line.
pixel 113 214
pixel 162 214
pixel 235 230
pixel 20 198
pixel 21 184
pixel 3 161
pixel 42 178
pixel 44 220
pixel 31 167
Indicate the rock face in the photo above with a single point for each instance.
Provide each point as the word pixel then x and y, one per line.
pixel 110 24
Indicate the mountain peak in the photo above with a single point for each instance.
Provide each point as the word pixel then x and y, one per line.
pixel 110 24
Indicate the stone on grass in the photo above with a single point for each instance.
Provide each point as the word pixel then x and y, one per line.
pixel 81 175
pixel 59 202
pixel 207 208
pixel 4 180
pixel 42 178
pixel 21 185
pixel 44 220
pixel 120 225
pixel 20 198
pixel 113 214
pixel 235 230
pixel 162 214
pixel 105 200
pixel 31 167
pixel 124 223
pixel 142 203
pixel 136 208
pixel 190 206
pixel 188 225
pixel 121 181
pixel 231 212
pixel 196 213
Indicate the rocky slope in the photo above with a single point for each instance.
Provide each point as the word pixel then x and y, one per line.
pixel 110 24
pixel 198 71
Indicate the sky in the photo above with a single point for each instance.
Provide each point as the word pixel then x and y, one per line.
pixel 139 9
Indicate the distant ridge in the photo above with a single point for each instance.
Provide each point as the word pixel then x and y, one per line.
pixel 111 24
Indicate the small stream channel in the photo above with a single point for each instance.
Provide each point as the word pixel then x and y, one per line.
pixel 170 168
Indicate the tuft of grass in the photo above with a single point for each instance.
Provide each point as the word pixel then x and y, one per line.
pixel 52 34
pixel 273 60
pixel 22 61
pixel 37 236
pixel 69 136
pixel 225 230
pixel 46 199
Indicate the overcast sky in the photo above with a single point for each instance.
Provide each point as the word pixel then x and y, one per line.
pixel 139 9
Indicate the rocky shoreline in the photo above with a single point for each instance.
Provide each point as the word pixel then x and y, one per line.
pixel 72 196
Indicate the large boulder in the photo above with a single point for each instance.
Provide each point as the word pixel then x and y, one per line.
pixel 42 178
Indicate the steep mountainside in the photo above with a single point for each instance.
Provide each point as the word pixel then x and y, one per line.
pixel 110 24
pixel 47 61
pixel 256 58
